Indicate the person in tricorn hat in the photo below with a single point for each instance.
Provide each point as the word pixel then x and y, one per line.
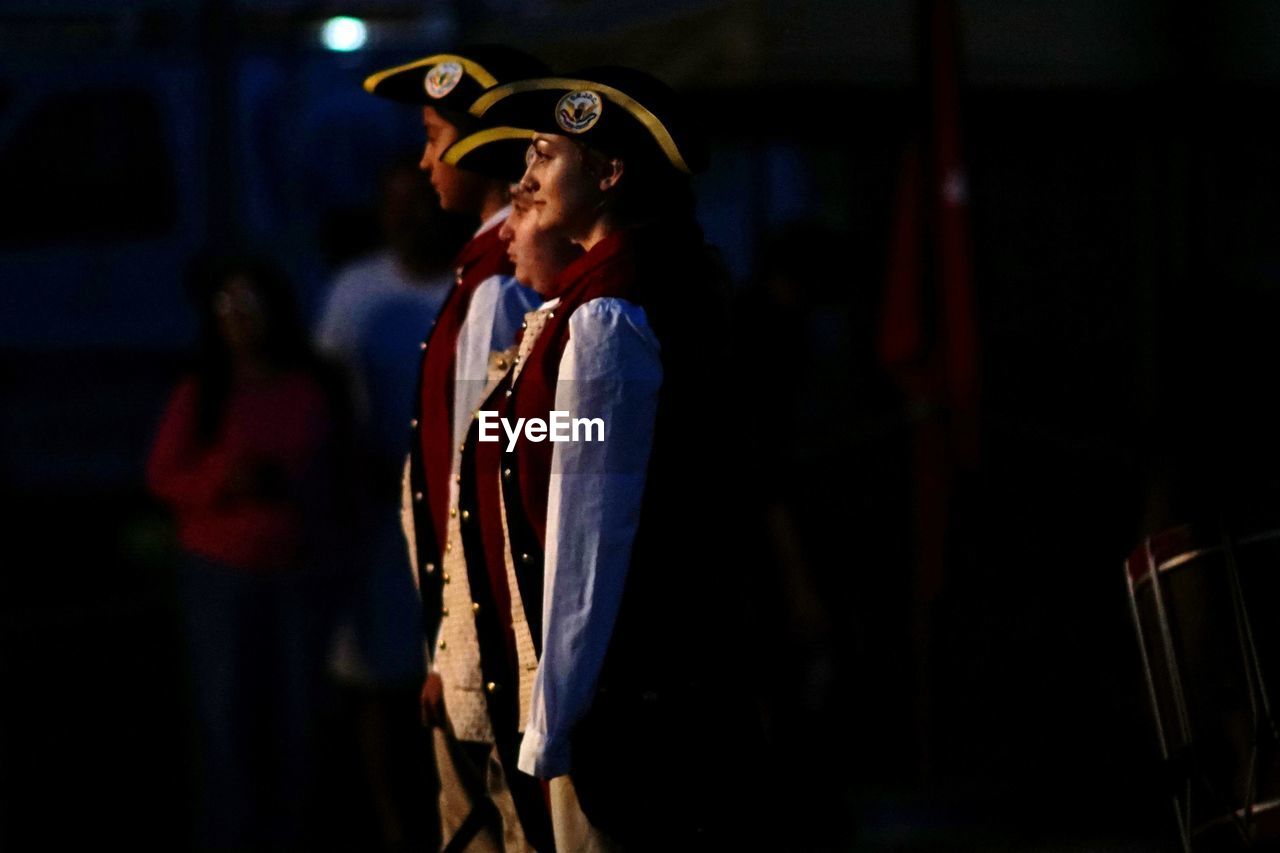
pixel 481 805
pixel 618 547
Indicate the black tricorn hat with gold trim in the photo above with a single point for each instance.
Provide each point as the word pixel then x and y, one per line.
pixel 495 152
pixel 453 80
pixel 617 111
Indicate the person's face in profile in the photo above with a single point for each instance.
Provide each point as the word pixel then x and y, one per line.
pixel 562 181
pixel 538 255
pixel 459 191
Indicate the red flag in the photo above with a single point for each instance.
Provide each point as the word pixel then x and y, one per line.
pixel 928 334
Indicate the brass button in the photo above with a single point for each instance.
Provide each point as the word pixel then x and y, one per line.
pixel 445 577
pixel 475 607
pixel 448 546
pixel 510 392
pixel 422 345
pixel 417 496
pixel 444 611
pixel 465 515
pixel 506 473
pixel 462 447
pixel 457 478
pixel 492 687
pixel 551 315
pixel 430 568
pixel 524 325
pixel 525 558
pixel 453 513
pixel 443 645
pixel 413 424
pixel 502 364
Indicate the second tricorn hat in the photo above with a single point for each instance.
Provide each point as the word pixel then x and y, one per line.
pixel 610 108
pixel 453 80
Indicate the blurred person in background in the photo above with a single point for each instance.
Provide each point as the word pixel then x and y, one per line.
pixel 252 456
pixel 371 324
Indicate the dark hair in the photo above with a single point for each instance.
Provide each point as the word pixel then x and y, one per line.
pixel 650 189
pixel 286 342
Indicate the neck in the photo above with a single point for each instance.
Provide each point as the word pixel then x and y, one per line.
pixel 494 200
pixel 601 228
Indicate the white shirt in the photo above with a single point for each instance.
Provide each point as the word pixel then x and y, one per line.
pixel 610 369
pixel 373 318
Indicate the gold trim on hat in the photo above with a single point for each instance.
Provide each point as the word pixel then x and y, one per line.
pixel 638 111
pixel 474 69
pixel 467 144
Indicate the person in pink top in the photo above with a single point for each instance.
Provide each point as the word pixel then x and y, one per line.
pixel 247 457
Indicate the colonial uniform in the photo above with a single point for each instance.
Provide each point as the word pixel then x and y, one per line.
pixel 611 552
pixel 481 805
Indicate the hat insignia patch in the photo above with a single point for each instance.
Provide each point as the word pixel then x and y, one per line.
pixel 442 78
pixel 578 111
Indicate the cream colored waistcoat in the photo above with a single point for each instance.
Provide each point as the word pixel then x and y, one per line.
pixel 456 654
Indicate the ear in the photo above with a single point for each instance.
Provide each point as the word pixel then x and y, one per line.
pixel 610 173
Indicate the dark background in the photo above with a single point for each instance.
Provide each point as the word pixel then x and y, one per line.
pixel 1122 186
